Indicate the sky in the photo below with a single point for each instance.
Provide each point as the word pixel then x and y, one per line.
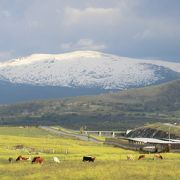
pixel 148 29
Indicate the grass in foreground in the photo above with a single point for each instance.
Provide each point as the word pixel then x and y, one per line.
pixel 111 162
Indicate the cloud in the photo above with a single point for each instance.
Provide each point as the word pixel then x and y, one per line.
pixel 33 25
pixel 5 13
pixel 135 28
pixel 83 44
pixel 91 15
pixel 157 28
pixel 6 55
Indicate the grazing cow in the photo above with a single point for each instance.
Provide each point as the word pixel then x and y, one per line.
pixel 21 158
pixel 56 159
pixel 10 159
pixel 130 157
pixel 89 158
pixel 141 157
pixel 157 156
pixel 37 159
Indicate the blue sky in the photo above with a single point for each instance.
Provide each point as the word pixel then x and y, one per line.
pixel 133 28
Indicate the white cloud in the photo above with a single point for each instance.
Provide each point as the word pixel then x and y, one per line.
pixel 91 15
pixel 135 28
pixel 6 55
pixel 83 44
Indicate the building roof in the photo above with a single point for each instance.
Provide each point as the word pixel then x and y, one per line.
pixel 156 141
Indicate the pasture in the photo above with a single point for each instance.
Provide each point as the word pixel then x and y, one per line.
pixel 110 162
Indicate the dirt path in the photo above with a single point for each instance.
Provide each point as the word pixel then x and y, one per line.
pixel 79 136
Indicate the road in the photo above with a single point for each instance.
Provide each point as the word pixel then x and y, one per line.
pixel 78 136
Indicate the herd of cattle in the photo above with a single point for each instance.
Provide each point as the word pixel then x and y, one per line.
pixel 40 160
pixel 36 159
pixel 156 156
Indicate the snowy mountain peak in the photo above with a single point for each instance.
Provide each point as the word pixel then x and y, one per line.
pixel 87 69
pixel 43 57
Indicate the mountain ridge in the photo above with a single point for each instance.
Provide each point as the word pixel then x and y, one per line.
pixel 87 69
pixel 120 110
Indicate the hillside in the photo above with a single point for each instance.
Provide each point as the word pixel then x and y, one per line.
pixel 121 110
pixel 45 76
pixel 157 130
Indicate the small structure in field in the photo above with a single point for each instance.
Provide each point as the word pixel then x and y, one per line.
pixel 19 146
pixel 149 145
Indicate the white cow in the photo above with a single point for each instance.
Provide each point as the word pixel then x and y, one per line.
pixel 56 159
pixel 29 159
pixel 130 157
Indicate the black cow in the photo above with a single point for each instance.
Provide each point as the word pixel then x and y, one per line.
pixel 89 158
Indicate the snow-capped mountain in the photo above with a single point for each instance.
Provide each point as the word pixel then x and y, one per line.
pixel 87 69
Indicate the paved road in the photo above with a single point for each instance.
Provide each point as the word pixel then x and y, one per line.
pixel 79 136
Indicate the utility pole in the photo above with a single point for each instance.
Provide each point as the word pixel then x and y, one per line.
pixel 170 125
pixel 169 132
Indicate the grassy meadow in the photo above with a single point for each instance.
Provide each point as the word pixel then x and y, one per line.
pixel 110 161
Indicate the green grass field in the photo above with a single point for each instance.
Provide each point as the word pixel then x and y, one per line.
pixel 110 162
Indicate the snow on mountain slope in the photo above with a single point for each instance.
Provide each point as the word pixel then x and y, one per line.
pixel 87 69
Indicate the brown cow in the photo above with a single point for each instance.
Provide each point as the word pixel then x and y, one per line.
pixel 37 159
pixel 21 158
pixel 157 156
pixel 141 157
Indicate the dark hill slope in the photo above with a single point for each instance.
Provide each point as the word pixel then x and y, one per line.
pixel 120 110
pixel 154 98
pixel 157 130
